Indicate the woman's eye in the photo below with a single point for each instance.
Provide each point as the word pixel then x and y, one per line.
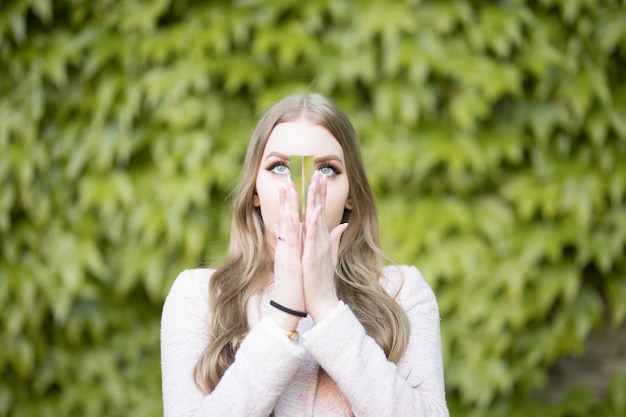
pixel 327 171
pixel 279 168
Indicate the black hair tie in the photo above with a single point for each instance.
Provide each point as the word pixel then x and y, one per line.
pixel 287 310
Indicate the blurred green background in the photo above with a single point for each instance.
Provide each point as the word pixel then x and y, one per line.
pixel 495 138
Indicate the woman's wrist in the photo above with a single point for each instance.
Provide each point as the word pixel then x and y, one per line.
pixel 286 321
pixel 323 310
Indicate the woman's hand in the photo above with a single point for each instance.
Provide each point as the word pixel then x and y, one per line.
pixel 319 253
pixel 288 290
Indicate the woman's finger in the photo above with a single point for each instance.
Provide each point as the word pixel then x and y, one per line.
pixel 293 200
pixel 309 203
pixel 290 229
pixel 280 228
pixel 323 188
pixel 312 226
pixel 335 238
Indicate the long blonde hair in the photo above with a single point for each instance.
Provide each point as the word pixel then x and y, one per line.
pixel 249 265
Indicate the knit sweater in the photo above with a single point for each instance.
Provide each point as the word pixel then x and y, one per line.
pixel 334 370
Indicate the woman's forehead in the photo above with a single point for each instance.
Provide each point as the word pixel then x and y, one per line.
pixel 302 137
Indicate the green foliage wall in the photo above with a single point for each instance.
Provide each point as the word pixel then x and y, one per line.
pixel 495 135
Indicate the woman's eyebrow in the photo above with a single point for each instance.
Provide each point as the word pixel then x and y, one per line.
pixel 277 155
pixel 328 158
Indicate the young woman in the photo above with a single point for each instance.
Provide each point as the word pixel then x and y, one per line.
pixel 302 319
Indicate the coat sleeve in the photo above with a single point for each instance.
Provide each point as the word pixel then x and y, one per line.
pixel 263 366
pixel 373 385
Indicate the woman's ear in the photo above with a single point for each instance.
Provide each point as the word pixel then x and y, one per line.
pixel 349 204
pixel 255 200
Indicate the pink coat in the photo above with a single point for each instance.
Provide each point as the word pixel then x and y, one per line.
pixel 334 370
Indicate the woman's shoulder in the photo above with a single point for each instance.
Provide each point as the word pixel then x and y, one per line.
pixel 192 283
pixel 406 284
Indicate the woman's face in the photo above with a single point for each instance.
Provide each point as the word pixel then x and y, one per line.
pixel 300 137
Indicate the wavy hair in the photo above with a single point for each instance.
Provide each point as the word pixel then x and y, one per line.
pixel 249 266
